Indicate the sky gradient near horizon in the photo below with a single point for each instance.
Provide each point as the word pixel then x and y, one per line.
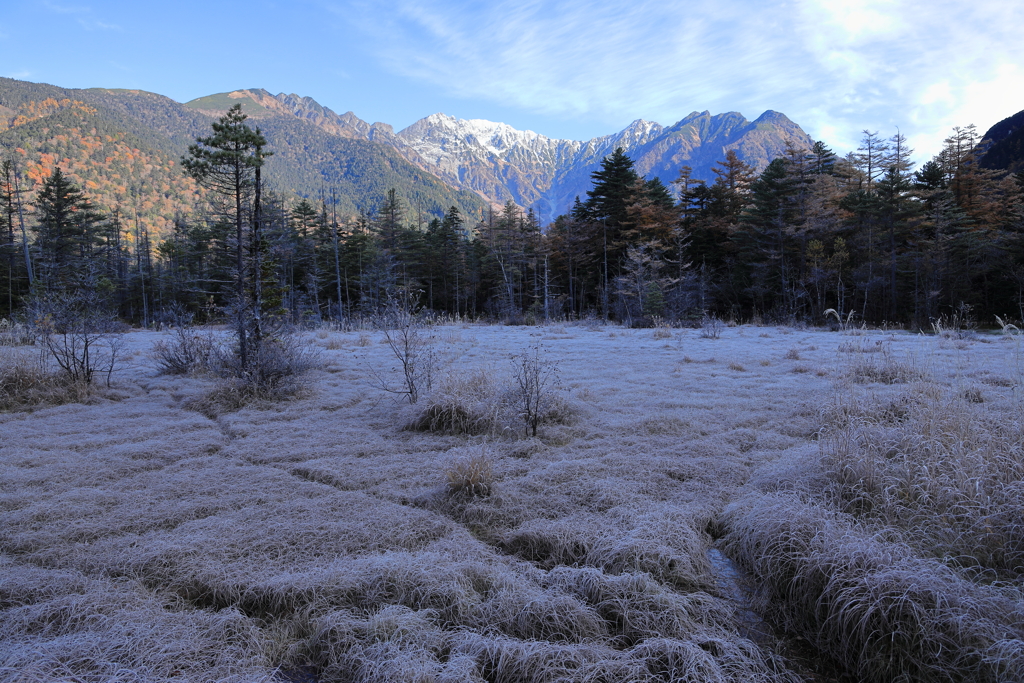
pixel 562 68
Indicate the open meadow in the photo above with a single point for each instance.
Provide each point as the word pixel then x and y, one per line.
pixel 774 504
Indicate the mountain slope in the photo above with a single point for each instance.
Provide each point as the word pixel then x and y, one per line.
pixel 124 148
pixel 501 163
pixel 1004 145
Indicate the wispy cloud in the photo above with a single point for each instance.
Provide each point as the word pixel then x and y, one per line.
pixel 84 15
pixel 834 66
pixel 97 25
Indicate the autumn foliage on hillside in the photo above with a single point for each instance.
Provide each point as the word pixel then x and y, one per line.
pixel 115 170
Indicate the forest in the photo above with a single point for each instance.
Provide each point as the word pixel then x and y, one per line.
pixel 866 235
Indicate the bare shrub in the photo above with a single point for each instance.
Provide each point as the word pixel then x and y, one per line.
pixel 662 333
pixel 792 354
pixel 471 475
pixel 958 324
pixel 25 383
pixel 412 345
pixel 711 327
pixel 275 371
pixel 533 379
pixel 188 351
pixel 79 332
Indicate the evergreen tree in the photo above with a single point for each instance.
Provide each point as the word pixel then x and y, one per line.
pixel 229 162
pixel 66 230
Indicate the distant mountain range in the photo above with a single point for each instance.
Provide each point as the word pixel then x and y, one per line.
pixel 124 147
pixel 499 162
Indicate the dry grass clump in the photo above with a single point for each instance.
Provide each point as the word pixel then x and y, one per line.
pixel 942 468
pixel 861 347
pixel 792 354
pixel 737 367
pixel 26 383
pixel 471 475
pixel 335 343
pixel 883 368
pixel 469 403
pixel 478 403
pixel 869 603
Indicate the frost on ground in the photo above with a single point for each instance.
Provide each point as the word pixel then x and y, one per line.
pixel 329 538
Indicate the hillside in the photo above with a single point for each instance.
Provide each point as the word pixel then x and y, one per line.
pixel 1004 145
pixel 124 148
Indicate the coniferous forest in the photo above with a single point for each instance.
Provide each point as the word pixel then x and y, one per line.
pixel 867 235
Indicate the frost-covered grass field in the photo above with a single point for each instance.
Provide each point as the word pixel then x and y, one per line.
pixel 870 485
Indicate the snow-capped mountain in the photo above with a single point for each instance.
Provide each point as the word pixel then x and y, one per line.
pixel 501 163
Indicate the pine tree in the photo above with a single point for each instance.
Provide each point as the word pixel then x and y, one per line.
pixel 229 162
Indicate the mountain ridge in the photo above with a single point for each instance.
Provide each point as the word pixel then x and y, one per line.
pixel 500 163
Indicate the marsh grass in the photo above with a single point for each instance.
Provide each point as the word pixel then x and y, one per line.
pixel 884 368
pixel 314 539
pixel 15 334
pixel 941 467
pixel 869 602
pixel 897 551
pixel 27 382
pixel 471 475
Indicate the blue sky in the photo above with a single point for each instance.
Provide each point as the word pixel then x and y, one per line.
pixel 563 68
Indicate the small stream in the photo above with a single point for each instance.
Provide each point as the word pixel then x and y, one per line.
pixel 736 586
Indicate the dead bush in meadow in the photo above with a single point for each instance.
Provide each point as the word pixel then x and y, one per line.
pixel 276 371
pixel 189 351
pixel 481 402
pixel 13 333
pixel 533 381
pixel 79 332
pixel 711 327
pixel 27 382
pixel 412 345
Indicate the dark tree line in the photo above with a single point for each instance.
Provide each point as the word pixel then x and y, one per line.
pixel 866 235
